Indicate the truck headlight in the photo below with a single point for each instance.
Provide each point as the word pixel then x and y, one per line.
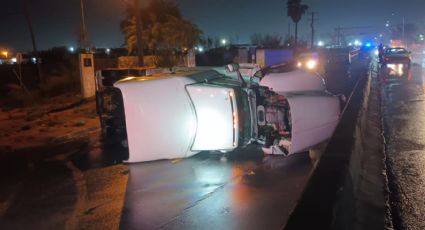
pixel 400 69
pixel 299 64
pixel 311 64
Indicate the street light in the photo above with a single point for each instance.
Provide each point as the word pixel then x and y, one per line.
pixel 5 53
pixel 223 41
pixel 320 43
pixel 357 43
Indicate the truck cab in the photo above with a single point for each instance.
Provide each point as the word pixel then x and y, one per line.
pixel 179 115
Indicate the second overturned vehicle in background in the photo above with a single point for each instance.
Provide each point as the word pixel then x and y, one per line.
pixel 179 115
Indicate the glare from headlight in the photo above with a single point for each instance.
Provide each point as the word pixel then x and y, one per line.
pixel 376 52
pixel 299 64
pixel 311 64
pixel 396 68
pixel 391 66
pixel 400 69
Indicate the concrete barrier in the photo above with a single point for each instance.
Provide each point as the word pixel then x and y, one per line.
pixel 347 188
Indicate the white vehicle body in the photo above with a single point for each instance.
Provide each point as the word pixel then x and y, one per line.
pixel 178 116
pixel 315 116
pixel 282 82
pixel 294 81
pixel 160 118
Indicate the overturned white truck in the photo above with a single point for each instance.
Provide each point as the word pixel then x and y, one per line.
pixel 181 114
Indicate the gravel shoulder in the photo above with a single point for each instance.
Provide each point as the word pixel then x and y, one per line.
pixel 42 184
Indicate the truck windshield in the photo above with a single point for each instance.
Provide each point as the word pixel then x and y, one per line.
pixel 396 51
pixel 245 121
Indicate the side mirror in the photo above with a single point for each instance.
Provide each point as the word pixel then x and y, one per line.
pixel 235 68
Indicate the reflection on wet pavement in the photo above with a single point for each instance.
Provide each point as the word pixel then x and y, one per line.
pixel 205 191
pixel 404 126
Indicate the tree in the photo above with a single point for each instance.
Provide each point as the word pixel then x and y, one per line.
pixel 272 41
pixel 296 10
pixel 209 43
pixel 257 39
pixel 165 32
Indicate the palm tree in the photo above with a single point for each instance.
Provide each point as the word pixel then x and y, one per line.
pixel 296 10
pixel 165 31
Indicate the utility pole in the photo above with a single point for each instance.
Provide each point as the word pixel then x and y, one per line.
pixel 312 20
pixel 289 31
pixel 34 45
pixel 338 36
pixel 86 60
pixel 83 28
pixel 139 33
pixel 402 36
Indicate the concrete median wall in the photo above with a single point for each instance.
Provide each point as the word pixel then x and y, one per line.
pixel 347 189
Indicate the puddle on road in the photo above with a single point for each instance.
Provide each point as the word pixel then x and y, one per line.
pixel 247 190
pixel 100 152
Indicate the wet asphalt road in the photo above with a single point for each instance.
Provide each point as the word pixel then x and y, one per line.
pixel 244 190
pixel 404 130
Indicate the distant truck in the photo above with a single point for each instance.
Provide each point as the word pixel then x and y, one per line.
pixel 270 57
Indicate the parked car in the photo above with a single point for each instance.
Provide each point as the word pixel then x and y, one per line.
pixel 396 62
pixel 179 115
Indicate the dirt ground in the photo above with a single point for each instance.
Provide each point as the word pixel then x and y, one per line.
pixel 53 192
pixel 61 119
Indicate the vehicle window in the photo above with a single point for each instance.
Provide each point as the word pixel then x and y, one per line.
pixel 396 51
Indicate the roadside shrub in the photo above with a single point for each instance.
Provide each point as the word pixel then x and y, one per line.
pixel 167 59
pixel 18 98
pixel 57 85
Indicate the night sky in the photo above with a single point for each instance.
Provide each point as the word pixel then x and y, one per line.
pixel 56 21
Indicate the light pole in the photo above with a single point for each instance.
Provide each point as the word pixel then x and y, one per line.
pixel 83 28
pixel 34 45
pixel 402 33
pixel 139 33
